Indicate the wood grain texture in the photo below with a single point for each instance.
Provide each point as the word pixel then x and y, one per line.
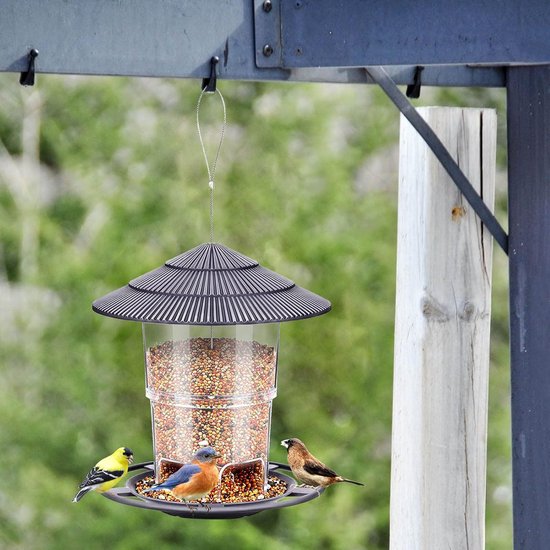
pixel 442 335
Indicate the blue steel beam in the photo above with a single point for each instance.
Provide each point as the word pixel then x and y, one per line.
pixel 344 33
pixel 529 261
pixel 178 39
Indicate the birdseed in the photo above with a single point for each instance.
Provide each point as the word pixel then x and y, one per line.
pixel 238 486
pixel 216 390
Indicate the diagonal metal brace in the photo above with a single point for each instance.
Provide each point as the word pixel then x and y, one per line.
pixel 381 77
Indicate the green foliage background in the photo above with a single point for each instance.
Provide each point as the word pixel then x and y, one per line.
pixel 102 179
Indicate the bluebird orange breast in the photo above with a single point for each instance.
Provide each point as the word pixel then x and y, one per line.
pixel 200 483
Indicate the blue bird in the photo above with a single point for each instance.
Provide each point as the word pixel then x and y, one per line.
pixel 195 480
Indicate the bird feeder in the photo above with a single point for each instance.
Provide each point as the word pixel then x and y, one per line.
pixel 210 320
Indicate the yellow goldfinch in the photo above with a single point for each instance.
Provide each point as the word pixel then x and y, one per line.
pixel 106 473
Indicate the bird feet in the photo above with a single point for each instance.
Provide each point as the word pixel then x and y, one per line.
pixel 205 505
pixel 189 507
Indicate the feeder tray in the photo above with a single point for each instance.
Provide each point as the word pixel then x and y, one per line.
pixel 294 495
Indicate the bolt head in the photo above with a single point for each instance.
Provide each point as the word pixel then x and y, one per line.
pixel 267 50
pixel 267 6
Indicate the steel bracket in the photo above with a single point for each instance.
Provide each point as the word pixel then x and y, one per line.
pixel 381 77
pixel 267 32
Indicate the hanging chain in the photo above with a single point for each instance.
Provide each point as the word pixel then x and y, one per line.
pixel 211 169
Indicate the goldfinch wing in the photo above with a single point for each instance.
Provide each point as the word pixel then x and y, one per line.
pixel 316 468
pixel 97 476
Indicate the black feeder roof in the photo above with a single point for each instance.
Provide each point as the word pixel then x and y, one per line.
pixel 211 285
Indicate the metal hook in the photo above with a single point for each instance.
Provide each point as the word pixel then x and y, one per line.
pixel 413 90
pixel 209 84
pixel 27 77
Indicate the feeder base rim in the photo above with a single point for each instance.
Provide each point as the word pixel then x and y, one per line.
pixel 293 496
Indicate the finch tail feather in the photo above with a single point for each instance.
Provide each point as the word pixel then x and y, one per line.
pixel 81 493
pixel 354 482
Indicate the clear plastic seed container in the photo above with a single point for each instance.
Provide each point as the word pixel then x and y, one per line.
pixel 210 385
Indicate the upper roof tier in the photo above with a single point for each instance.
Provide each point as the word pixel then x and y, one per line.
pixel 211 285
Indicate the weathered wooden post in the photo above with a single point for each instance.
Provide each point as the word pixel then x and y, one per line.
pixel 442 331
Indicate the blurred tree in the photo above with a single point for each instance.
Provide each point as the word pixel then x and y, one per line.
pixel 102 179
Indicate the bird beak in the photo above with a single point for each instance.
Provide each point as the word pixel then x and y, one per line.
pixel 216 456
pixel 284 443
pixel 130 459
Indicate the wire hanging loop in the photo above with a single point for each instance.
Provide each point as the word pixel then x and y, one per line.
pixel 211 169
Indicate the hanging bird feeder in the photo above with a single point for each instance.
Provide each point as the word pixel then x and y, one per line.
pixel 210 320
pixel 211 335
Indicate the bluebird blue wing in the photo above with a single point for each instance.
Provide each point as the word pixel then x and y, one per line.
pixel 183 475
pixel 96 476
